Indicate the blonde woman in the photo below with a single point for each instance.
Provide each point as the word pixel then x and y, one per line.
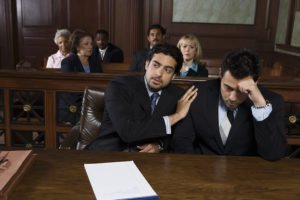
pixel 191 50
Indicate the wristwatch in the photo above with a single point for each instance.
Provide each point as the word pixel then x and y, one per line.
pixel 267 104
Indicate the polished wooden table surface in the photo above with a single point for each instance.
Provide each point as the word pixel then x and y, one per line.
pixel 57 174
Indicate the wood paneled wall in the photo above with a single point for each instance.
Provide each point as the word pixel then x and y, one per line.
pixel 30 25
pixel 7 54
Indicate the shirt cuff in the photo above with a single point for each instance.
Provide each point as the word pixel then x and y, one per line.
pixel 168 125
pixel 263 113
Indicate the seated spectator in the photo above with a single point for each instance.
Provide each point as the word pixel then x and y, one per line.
pixel 155 34
pixel 82 58
pixel 61 39
pixel 108 52
pixel 191 50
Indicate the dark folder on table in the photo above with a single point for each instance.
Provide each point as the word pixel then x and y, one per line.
pixel 13 166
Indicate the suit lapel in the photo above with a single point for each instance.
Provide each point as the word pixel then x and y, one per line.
pixel 165 102
pixel 107 53
pixel 238 125
pixel 142 96
pixel 213 115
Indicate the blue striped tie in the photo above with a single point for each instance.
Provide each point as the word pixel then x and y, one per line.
pixel 153 100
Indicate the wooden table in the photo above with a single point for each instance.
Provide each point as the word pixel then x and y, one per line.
pixel 59 174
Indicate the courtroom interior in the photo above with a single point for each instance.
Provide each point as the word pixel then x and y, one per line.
pixel 55 109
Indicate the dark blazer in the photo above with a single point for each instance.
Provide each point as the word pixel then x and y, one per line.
pixel 113 54
pixel 199 131
pixel 73 64
pixel 202 71
pixel 127 119
pixel 138 64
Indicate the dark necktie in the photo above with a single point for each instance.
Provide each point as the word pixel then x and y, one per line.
pixel 153 100
pixel 230 116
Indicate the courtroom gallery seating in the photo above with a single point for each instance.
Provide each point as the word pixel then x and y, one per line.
pixel 88 127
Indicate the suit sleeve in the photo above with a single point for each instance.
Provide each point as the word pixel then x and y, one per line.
pixel 118 56
pixel 95 63
pixel 269 133
pixel 184 135
pixel 135 63
pixel 66 65
pixel 130 119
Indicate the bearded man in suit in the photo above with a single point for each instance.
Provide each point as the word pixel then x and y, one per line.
pixel 234 115
pixel 141 110
pixel 155 35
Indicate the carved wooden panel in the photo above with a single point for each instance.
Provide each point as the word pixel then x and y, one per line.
pixel 6 35
pixel 37 13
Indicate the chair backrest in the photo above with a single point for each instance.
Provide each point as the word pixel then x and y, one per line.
pixel 91 114
pixel 109 67
pixel 87 129
pixel 213 66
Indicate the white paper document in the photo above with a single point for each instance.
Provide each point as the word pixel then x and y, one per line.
pixel 118 180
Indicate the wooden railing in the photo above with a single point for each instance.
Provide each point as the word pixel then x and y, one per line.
pixel 31 110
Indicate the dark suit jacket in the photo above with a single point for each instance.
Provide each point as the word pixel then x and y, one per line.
pixel 138 64
pixel 199 131
pixel 127 119
pixel 113 54
pixel 202 71
pixel 73 64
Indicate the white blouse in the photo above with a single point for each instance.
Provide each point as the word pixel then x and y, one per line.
pixel 54 61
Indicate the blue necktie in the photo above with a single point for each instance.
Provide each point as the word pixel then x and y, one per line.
pixel 153 100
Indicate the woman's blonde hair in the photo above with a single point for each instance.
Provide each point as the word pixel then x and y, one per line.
pixel 194 40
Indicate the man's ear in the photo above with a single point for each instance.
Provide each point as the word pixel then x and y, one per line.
pixel 146 65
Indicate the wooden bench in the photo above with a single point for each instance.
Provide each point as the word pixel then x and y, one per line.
pixel 49 85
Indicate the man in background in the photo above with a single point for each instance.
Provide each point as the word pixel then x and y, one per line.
pixel 108 52
pixel 155 34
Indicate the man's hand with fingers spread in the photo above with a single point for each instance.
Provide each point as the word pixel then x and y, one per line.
pixel 183 105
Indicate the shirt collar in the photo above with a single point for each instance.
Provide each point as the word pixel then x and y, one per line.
pixel 59 54
pixel 103 50
pixel 223 106
pixel 194 67
pixel 148 90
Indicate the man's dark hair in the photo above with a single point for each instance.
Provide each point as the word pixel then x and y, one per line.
pixel 241 63
pixel 167 49
pixel 76 40
pixel 157 26
pixel 102 31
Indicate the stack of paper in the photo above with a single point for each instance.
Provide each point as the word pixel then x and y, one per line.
pixel 118 180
